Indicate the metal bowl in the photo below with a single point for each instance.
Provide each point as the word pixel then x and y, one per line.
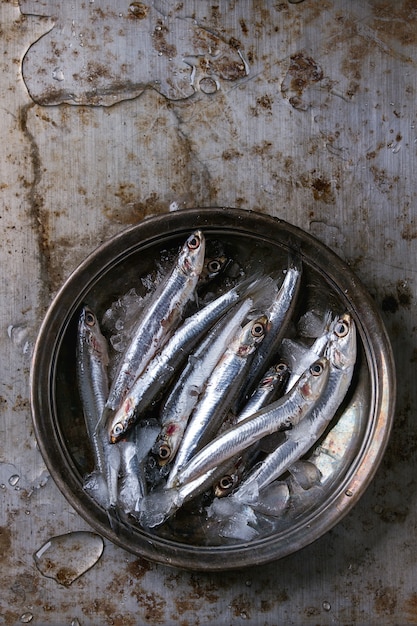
pixel 347 456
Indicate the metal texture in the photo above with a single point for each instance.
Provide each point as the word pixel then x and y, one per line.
pixel 319 131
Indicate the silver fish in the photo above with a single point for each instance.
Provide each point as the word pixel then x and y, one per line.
pixel 341 352
pixel 279 315
pixel 163 365
pixel 281 414
pixel 220 392
pixel 270 387
pixel 160 317
pixel 92 362
pixel 184 396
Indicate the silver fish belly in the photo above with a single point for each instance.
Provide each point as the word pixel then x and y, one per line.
pixel 92 362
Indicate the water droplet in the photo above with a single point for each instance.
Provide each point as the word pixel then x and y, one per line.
pixel 18 334
pixel 14 479
pixel 208 85
pixel 66 557
pixel 326 605
pixel 58 74
pixel 2 486
pixel 75 621
pixel 348 493
pixel 26 618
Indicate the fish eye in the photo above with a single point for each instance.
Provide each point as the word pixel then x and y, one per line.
pixel 164 452
pixel 281 367
pixel 194 242
pixel 214 265
pixel 316 369
pixel 257 329
pixel 118 429
pixel 341 328
pixel 226 482
pixel 90 320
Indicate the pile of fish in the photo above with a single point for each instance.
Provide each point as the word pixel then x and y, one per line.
pixel 206 399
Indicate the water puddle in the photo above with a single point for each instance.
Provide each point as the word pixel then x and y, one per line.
pixel 97 54
pixel 67 557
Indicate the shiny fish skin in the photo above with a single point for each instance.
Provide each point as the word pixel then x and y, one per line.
pixel 341 352
pixel 160 317
pixel 270 387
pixel 161 368
pixel 220 392
pixel 92 362
pixel 185 394
pixel 281 414
pixel 279 315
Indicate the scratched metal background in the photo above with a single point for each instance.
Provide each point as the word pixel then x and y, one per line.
pixel 306 111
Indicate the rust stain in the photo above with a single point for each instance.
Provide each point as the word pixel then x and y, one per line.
pixel 152 604
pixel 160 42
pixel 138 10
pixel 138 568
pixel 410 607
pixel 241 606
pixel 385 601
pixel 302 72
pixel 5 540
pixel 132 210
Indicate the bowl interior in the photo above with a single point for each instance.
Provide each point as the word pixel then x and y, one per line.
pixel 190 538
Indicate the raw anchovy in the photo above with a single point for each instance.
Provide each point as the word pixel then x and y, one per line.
pixel 160 318
pixel 341 352
pixel 92 362
pixel 271 386
pixel 221 390
pixel 190 384
pixel 162 367
pixel 279 315
pixel 299 356
pixel 269 389
pixel 281 414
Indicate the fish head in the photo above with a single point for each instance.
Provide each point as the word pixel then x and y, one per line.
pixel 250 336
pixel 167 443
pixel 122 421
pixel 314 379
pixel 90 333
pixel 276 374
pixel 342 345
pixel 213 266
pixel 191 257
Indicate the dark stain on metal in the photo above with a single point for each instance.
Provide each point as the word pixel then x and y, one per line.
pixel 152 604
pixel 385 601
pixel 241 606
pixel 5 540
pixel 138 569
pixel 402 298
pixel 131 210
pixel 303 71
pixel 40 217
pixel 138 10
pixel 160 42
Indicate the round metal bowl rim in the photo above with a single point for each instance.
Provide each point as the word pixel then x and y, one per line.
pixel 338 273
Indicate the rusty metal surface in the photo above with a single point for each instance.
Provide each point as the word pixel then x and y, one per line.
pixel 318 128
